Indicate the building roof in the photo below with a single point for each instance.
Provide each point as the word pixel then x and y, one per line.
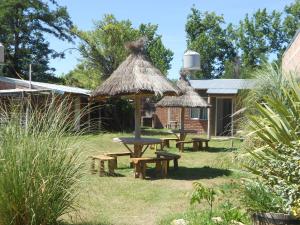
pixel 135 75
pixel 223 86
pixel 20 92
pixel 60 89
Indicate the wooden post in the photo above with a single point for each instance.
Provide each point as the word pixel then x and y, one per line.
pixel 182 123
pixel 137 117
pixel 101 169
pixel 209 119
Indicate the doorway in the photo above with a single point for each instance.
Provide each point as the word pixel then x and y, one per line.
pixel 223 116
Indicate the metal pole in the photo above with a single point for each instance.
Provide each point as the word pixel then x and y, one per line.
pixel 209 118
pixel 30 76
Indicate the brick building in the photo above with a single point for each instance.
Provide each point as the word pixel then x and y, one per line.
pixel 222 94
pixel 291 56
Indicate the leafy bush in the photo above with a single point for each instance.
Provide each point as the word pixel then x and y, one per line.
pixel 258 198
pixel 39 165
pixel 276 124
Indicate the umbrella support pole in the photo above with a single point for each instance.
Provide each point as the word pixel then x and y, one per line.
pixel 137 117
pixel 182 122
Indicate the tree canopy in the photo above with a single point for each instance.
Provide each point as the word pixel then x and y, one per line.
pixel 103 49
pixel 23 26
pixel 228 49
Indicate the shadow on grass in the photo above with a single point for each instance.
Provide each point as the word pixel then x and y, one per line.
pixel 185 173
pixel 215 149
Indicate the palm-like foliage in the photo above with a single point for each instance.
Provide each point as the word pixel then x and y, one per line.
pixel 276 123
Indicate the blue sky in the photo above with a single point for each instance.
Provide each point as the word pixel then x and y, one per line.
pixel 170 15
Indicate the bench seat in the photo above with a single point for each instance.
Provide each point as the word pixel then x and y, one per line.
pixel 198 143
pixel 140 165
pixel 115 155
pixel 169 156
pixel 166 141
pixel 102 159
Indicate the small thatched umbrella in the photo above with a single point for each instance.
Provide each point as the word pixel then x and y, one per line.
pixel 189 98
pixel 135 77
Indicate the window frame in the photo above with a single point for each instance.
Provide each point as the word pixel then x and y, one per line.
pixel 198 118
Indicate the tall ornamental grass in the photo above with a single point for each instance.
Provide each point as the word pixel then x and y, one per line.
pixel 39 164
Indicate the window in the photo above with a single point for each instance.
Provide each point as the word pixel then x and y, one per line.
pixel 199 113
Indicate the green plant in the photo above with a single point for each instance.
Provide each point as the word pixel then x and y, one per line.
pixel 203 193
pixel 276 124
pixel 39 164
pixel 257 197
pixel 230 213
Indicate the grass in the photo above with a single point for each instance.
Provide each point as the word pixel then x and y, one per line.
pixel 124 200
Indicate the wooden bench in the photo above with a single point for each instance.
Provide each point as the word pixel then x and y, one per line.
pixel 102 159
pixel 198 143
pixel 115 155
pixel 166 141
pixel 169 156
pixel 140 165
pixel 180 145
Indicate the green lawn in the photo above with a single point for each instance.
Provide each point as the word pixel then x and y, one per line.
pixel 126 200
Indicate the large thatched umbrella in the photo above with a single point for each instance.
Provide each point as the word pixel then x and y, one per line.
pixel 189 98
pixel 135 77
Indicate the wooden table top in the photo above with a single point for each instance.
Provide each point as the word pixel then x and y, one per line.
pixel 141 141
pixel 184 131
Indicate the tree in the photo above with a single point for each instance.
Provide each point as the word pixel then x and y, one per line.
pixel 206 35
pixel 82 76
pixel 23 25
pixel 260 36
pixel 292 19
pixel 103 48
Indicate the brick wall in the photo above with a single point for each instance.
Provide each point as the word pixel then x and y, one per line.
pixel 291 58
pixel 5 85
pixel 161 119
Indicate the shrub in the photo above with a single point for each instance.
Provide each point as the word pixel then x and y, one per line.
pixel 39 165
pixel 276 124
pixel 257 197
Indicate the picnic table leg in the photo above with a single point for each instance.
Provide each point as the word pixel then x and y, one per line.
pixel 137 170
pixel 143 170
pixel 200 145
pixel 164 169
pixel 158 167
pixel 181 147
pixel 195 145
pixel 93 170
pixel 101 170
pixel 137 151
pixel 175 164
pixel 111 167
pixel 115 162
pixel 206 145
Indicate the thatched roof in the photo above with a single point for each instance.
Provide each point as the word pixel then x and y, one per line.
pixel 189 98
pixel 136 75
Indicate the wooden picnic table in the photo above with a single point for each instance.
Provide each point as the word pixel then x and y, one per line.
pixel 181 134
pixel 140 145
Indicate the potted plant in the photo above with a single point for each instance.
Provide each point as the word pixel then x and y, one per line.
pixel 277 162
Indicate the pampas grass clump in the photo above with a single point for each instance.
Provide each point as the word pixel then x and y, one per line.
pixel 39 164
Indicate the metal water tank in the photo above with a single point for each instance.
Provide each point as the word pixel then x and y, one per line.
pixel 191 60
pixel 1 53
